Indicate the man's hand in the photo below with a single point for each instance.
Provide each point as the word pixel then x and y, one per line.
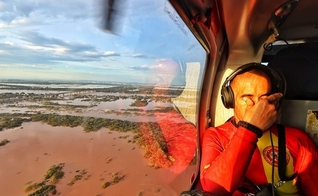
pixel 263 113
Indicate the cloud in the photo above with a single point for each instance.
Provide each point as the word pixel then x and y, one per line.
pixel 38 39
pixel 110 53
pixel 162 66
pixel 142 67
pixel 31 47
pixel 138 55
pixel 19 13
pixel 64 37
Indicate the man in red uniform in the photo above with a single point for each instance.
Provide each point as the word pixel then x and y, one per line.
pixel 239 154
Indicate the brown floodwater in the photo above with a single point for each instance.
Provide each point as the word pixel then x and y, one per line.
pixel 35 147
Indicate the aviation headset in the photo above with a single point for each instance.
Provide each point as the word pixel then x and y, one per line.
pixel 278 82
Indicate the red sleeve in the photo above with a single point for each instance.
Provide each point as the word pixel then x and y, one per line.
pixel 307 161
pixel 226 154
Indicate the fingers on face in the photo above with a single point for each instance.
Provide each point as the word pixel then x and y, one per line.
pixel 274 98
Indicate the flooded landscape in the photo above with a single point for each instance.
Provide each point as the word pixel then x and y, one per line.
pixel 78 138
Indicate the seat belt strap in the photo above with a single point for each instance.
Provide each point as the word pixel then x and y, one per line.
pixel 282 154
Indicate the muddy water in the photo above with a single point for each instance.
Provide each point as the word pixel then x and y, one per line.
pixel 35 147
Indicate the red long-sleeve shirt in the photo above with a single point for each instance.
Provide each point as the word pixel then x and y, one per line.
pixel 230 153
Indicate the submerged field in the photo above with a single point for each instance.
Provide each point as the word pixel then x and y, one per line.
pixel 105 140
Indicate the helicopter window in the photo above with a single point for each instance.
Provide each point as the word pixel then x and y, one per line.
pixel 93 101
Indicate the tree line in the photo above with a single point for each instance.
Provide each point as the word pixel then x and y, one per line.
pixel 89 124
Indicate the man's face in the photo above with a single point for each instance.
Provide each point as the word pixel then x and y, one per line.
pixel 248 89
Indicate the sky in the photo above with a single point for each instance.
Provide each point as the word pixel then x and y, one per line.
pixel 67 40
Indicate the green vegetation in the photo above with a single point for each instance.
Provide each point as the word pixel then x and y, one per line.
pixel 47 187
pixel 130 90
pixel 33 186
pixel 153 131
pixel 45 190
pixel 140 102
pixel 58 120
pixel 88 123
pixel 9 121
pixel 55 173
pixel 51 106
pixel 115 178
pixel 78 176
pixel 4 142
pixel 153 142
pixel 94 124
pixel 147 135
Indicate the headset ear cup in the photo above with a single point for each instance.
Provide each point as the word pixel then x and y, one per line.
pixel 231 97
pixel 227 97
